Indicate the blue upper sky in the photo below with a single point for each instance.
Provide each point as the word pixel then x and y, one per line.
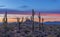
pixel 41 5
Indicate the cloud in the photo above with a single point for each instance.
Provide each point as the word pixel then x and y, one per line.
pixel 24 6
pixel 25 0
pixel 2 6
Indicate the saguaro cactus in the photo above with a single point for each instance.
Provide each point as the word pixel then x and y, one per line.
pixel 32 18
pixel 18 21
pixel 5 24
pixel 43 24
pixel 39 21
pixel 19 24
pixel 5 19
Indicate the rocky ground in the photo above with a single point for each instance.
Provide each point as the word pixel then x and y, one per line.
pixel 25 30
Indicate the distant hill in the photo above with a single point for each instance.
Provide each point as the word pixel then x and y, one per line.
pixel 52 23
pixel 29 22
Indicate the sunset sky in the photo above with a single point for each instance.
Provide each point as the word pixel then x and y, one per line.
pixel 50 9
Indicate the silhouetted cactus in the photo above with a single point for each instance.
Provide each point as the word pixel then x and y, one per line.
pixel 32 18
pixel 42 21
pixel 6 29
pixel 39 21
pixel 5 19
pixel 19 24
pixel 18 21
pixel 43 24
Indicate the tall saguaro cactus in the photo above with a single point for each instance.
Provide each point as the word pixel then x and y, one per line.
pixel 18 21
pixel 39 21
pixel 42 21
pixel 43 24
pixel 5 24
pixel 5 19
pixel 32 18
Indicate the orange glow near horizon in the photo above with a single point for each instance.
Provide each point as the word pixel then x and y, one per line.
pixel 36 19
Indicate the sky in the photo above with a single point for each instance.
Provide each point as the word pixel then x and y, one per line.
pixel 41 5
pixel 37 5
